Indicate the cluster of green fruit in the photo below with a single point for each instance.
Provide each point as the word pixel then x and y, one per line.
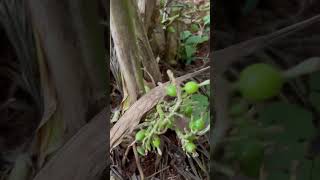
pixel 149 137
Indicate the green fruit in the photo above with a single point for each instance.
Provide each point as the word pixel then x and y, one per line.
pixel 191 87
pixel 140 135
pixel 171 29
pixel 197 125
pixel 156 142
pixel 141 150
pixel 251 158
pixel 260 81
pixel 191 147
pixel 171 90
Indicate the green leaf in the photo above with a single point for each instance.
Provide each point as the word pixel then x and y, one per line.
pixel 190 51
pixel 204 38
pixel 194 27
pixel 162 3
pixel 297 124
pixel 200 105
pixel 185 34
pixel 194 40
pixel 207 29
pixel 206 20
pixel 279 162
pixel 296 121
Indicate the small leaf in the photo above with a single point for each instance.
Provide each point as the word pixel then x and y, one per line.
pixel 190 51
pixel 194 40
pixel 204 38
pixel 200 105
pixel 194 28
pixel 185 34
pixel 206 20
pixel 296 121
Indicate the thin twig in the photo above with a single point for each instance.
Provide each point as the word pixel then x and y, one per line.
pixel 138 161
pixel 157 172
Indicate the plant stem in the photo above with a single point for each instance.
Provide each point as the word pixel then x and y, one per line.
pixel 204 83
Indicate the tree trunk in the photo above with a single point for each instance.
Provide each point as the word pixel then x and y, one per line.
pixel 90 35
pixel 122 31
pixel 132 46
pixel 72 44
pixel 74 56
pixel 147 57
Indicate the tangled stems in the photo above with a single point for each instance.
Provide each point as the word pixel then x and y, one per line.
pixel 163 119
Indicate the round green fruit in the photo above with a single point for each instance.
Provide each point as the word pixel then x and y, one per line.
pixel 191 87
pixel 260 81
pixel 140 135
pixel 191 147
pixel 171 90
pixel 197 125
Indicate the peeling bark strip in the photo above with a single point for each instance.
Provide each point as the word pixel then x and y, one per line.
pixel 133 115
